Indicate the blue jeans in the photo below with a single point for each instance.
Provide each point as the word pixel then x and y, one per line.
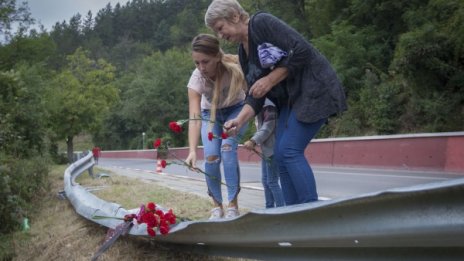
pixel 296 176
pixel 270 178
pixel 224 150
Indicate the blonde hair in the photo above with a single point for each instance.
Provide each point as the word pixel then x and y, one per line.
pixel 209 44
pixel 224 9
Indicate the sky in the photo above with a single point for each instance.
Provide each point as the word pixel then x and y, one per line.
pixel 48 12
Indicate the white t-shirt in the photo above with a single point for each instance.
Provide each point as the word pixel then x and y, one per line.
pixel 204 86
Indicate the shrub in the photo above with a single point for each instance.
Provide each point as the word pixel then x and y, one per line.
pixel 21 181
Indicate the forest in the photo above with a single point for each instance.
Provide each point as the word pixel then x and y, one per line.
pixel 122 72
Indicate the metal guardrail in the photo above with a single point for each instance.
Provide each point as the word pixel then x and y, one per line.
pixel 424 222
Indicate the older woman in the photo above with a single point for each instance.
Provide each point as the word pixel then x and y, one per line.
pixel 278 63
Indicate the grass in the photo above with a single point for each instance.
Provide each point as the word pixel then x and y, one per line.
pixel 57 232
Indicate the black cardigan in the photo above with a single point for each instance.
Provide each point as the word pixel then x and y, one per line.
pixel 311 88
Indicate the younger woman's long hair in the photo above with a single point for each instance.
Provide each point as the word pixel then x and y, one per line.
pixel 209 44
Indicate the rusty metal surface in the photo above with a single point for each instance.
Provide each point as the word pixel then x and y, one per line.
pixel 423 222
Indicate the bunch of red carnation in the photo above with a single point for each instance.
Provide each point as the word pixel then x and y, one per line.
pixel 211 136
pixel 153 218
pixel 176 127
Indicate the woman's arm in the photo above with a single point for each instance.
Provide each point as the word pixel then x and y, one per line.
pixel 265 84
pixel 270 29
pixel 194 128
pixel 231 127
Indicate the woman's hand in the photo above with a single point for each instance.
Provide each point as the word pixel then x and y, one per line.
pixel 192 160
pixel 249 144
pixel 260 88
pixel 231 127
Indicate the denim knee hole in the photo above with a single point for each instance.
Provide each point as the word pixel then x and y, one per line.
pixel 212 159
pixel 226 147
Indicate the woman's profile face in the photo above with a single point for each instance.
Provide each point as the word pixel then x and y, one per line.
pixel 227 30
pixel 206 64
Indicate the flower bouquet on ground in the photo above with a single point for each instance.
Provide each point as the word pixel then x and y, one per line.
pixel 153 217
pixel 156 220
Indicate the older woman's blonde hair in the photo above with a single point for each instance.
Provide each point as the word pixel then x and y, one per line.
pixel 209 44
pixel 224 9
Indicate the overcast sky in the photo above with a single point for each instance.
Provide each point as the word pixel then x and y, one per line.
pixel 48 12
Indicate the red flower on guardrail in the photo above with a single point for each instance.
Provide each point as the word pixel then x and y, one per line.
pixel 153 217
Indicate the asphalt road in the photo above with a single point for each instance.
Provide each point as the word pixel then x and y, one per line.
pixel 332 182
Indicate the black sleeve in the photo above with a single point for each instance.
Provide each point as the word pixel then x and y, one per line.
pixel 256 104
pixel 267 28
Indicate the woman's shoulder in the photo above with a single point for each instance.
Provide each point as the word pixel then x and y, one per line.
pixel 264 24
pixel 196 73
pixel 197 80
pixel 197 76
pixel 262 17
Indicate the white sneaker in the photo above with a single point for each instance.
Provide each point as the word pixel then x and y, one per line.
pixel 216 213
pixel 232 212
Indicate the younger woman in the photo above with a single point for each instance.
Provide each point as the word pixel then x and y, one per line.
pixel 216 94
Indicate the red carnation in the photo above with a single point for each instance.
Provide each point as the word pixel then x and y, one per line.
pixel 151 206
pixel 149 219
pixel 175 127
pixel 170 217
pixel 224 135
pixel 160 213
pixel 164 164
pixel 164 229
pixel 210 136
pixel 151 232
pixel 157 143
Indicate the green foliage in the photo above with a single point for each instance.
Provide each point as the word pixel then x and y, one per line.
pixel 21 181
pixel 80 96
pixel 31 50
pixel 160 89
pixel 10 13
pixel 384 107
pixel 22 127
pixel 411 51
pixel 23 122
pixel 322 13
pixel 428 58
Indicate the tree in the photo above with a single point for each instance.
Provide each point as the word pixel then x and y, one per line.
pixel 10 14
pixel 153 96
pixel 22 125
pixel 23 158
pixel 30 50
pixel 80 96
pixel 429 56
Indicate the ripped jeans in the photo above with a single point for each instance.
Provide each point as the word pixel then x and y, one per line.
pixel 221 150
